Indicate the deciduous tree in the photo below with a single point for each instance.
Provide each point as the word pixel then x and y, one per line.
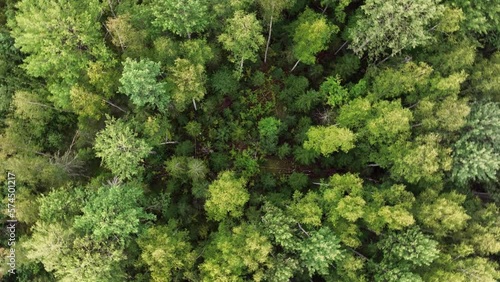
pixel 120 149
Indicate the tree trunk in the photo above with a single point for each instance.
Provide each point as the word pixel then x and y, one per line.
pixel 268 38
pixel 241 65
pixel 324 9
pixel 113 105
pixel 294 66
pixel 341 47
pixel 194 104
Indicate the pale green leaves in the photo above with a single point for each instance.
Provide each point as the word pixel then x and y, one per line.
pixel 444 214
pixel 477 153
pixel 182 17
pixel 189 80
pixel 320 250
pixel 120 150
pixel 330 139
pixel 242 37
pixel 392 25
pixel 65 38
pixel 166 251
pixel 140 82
pixel 312 34
pixel 113 211
pixel 227 196
pixel 410 246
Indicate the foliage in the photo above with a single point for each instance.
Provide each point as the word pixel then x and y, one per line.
pixel 166 251
pixel 227 195
pixel 242 38
pixel 311 35
pixel 120 149
pixel 477 152
pixel 167 141
pixel 139 82
pixel 326 140
pixel 392 25
pixel 66 38
pixel 112 212
pixel 181 17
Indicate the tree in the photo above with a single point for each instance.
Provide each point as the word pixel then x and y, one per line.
pixel 449 115
pixel 355 114
pixel 320 250
pixel 124 35
pixel 316 250
pixel 65 242
pixel 272 10
pixel 336 93
pixel 189 80
pixel 62 43
pixel 330 139
pixel 409 247
pixel 443 214
pixel 225 260
pixel 306 209
pixel 85 103
pixel 268 132
pixel 392 25
pixel 311 35
pixel 226 196
pixel 242 37
pixel 140 82
pixel 166 251
pixel 181 17
pixel 476 155
pixel 339 5
pixel 113 212
pixel 484 78
pixel 424 160
pixel 480 20
pixel 120 149
pixel 393 83
pixel 390 123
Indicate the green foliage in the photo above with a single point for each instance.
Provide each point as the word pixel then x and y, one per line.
pixel 391 83
pixel 390 124
pixel 320 250
pixel 166 251
pixel 189 80
pixel 113 212
pixel 75 258
pixel 392 25
pixel 409 247
pixel 477 152
pixel 120 149
pixel 242 37
pixel 139 81
pixel 273 8
pixel 306 209
pixel 140 154
pixel 443 214
pixel 424 160
pixel 66 38
pixel 311 35
pixel 480 18
pixel 227 196
pixel 181 17
pixel 225 260
pixel 327 140
pixel 484 76
pixel 337 95
pixel 86 104
pixel 268 132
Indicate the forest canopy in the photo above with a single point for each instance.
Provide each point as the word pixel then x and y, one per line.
pixel 268 140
